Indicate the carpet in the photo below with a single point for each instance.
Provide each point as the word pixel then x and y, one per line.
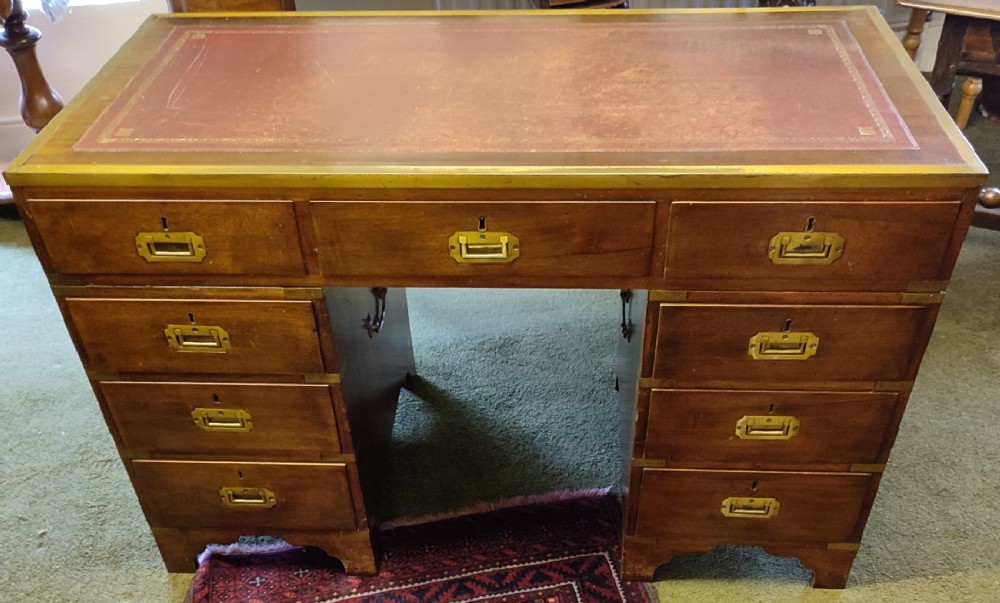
pixel 561 551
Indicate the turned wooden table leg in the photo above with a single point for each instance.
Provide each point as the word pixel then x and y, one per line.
pixel 39 102
pixel 914 31
pixel 972 87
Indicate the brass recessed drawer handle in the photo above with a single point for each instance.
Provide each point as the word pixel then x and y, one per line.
pixel 197 338
pixel 750 508
pixel 170 246
pixel 475 247
pixel 805 248
pixel 247 498
pixel 222 419
pixel 767 427
pixel 783 345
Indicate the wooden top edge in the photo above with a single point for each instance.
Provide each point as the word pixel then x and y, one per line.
pixel 703 177
pixel 506 12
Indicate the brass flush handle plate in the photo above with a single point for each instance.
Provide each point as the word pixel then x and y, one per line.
pixel 480 247
pixel 750 508
pixel 783 345
pixel 226 420
pixel 197 338
pixel 170 246
pixel 805 248
pixel 767 427
pixel 247 498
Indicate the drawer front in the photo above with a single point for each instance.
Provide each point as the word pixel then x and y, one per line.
pixel 768 429
pixel 702 344
pixel 557 239
pixel 258 495
pixel 129 335
pixel 881 243
pixel 200 420
pixel 811 507
pixel 169 237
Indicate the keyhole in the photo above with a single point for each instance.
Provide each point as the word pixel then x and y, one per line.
pixel 753 486
pixel 482 224
pixel 191 317
pixel 770 409
pixel 240 473
pixel 217 400
pixel 809 224
pixel 163 223
pixel 788 325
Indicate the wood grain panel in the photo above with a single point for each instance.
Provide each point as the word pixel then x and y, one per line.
pixel 697 428
pixel 697 344
pixel 814 507
pixel 127 335
pixel 288 422
pixel 556 238
pixel 98 236
pixel 884 243
pixel 186 494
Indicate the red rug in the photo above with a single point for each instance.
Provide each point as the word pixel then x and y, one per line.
pixel 557 552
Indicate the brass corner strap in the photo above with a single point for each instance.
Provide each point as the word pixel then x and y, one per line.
pixel 922 298
pixel 71 291
pixel 867 468
pixel 321 378
pixel 303 293
pixel 668 296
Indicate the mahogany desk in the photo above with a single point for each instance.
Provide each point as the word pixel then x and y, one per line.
pixel 228 208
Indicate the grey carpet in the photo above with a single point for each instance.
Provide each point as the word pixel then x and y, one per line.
pixel 501 412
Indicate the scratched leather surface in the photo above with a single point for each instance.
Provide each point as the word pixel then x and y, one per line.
pixel 495 85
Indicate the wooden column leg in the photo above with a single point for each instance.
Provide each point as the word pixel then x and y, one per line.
pixel 972 87
pixel 914 31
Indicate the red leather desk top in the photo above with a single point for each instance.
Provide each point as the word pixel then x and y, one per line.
pixel 469 85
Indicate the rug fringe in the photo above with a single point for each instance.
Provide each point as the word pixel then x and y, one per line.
pixel 245 548
pixel 506 503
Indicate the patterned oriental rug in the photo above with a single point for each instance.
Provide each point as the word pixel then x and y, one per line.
pixel 564 551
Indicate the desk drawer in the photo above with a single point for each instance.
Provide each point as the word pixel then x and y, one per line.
pixel 131 335
pixel 811 507
pixel 881 244
pixel 558 239
pixel 168 237
pixel 261 495
pixel 203 420
pixel 708 345
pixel 769 429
